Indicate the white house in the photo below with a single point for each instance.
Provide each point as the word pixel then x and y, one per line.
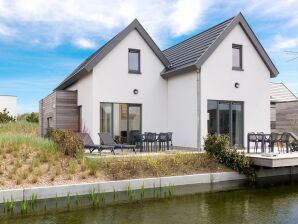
pixel 217 81
pixel 9 103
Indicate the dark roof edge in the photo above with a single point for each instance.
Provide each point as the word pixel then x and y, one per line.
pixel 199 33
pixel 239 19
pixel 135 24
pixel 187 68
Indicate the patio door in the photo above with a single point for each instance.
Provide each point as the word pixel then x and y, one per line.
pixel 134 117
pixel 120 118
pixel 226 117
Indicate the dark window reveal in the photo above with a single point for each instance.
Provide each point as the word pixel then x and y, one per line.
pixel 134 61
pixel 237 57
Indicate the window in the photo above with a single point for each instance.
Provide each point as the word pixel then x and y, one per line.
pixel 237 57
pixel 134 61
pixel 80 126
pixel 49 122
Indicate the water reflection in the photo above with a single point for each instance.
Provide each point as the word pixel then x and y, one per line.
pixel 274 200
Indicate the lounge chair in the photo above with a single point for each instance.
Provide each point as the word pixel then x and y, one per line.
pixel 89 144
pixel 106 139
pixel 294 142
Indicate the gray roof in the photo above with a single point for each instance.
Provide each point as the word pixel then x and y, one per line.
pixel 185 56
pixel 193 52
pixel 280 93
pixel 86 66
pixel 187 52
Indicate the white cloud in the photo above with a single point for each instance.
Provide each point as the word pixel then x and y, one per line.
pixel 55 21
pixel 85 43
pixel 285 43
pixel 186 16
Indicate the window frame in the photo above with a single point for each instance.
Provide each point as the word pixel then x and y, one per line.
pixel 138 51
pixel 240 47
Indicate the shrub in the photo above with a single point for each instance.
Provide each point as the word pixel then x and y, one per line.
pixel 67 142
pixel 218 147
pixel 32 118
pixel 5 117
pixel 29 117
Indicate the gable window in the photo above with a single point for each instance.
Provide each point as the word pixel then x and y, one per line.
pixel 237 57
pixel 134 61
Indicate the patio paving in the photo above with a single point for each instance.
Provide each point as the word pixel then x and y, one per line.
pixel 126 152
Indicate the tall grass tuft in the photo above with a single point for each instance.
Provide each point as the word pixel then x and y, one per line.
pixel 17 142
pixel 19 128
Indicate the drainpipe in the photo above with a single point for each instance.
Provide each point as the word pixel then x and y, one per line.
pixel 199 144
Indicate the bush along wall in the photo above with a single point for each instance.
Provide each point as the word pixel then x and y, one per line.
pixel 217 146
pixel 67 142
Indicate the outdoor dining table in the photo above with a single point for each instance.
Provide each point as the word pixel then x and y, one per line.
pixel 267 138
pixel 141 138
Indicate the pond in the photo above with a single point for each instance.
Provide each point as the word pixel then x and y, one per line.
pixel 265 202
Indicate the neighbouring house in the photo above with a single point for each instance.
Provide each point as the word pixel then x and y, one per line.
pixel 217 81
pixel 284 108
pixel 9 103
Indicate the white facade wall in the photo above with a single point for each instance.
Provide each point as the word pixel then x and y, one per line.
pixel 182 109
pixel 111 82
pixel 218 80
pixel 9 103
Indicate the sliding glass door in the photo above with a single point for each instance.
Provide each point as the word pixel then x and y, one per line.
pixel 120 118
pixel 134 118
pixel 106 117
pixel 237 123
pixel 226 117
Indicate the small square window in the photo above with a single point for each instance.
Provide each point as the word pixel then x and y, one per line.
pixel 237 57
pixel 134 61
pixel 50 123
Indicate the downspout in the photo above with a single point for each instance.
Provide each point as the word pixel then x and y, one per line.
pixel 199 144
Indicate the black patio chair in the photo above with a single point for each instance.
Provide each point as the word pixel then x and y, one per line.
pixel 261 139
pixel 293 142
pixel 151 139
pixel 163 141
pixel 252 137
pixel 106 139
pixel 89 144
pixel 123 137
pixel 137 138
pixel 284 140
pixel 132 136
pixel 170 139
pixel 275 139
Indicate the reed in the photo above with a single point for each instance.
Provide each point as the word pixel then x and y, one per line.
pixel 24 206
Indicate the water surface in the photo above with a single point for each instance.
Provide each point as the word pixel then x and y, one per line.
pixel 264 203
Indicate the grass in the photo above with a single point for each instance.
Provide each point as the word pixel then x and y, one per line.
pixel 27 160
pixel 24 128
pixel 156 166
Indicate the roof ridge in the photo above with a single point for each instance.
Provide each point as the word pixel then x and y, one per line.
pixel 199 33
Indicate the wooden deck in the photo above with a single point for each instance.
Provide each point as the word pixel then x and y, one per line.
pixel 274 159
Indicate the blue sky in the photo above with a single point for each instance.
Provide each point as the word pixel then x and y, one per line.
pixel 41 42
